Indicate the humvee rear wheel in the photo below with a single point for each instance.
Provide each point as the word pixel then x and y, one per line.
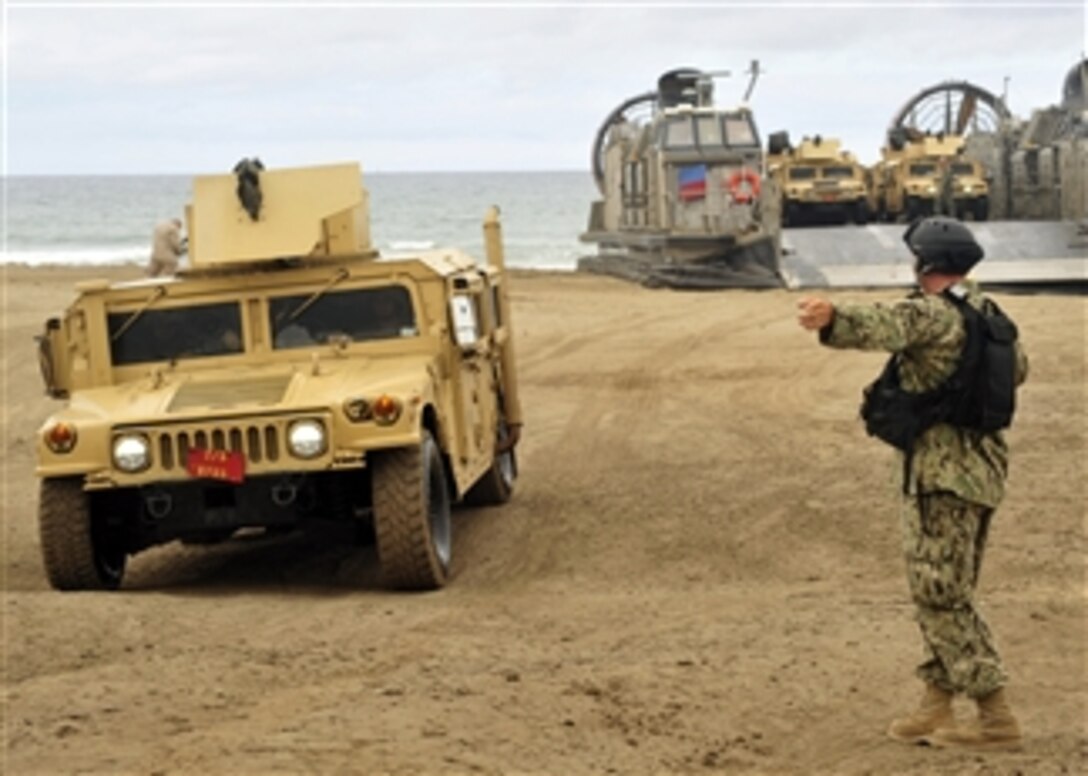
pixel 981 209
pixel 412 526
pixel 78 550
pixel 497 485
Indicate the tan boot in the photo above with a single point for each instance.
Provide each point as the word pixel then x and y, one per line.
pixel 996 727
pixel 935 711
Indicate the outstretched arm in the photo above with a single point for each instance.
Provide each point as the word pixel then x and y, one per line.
pixel 893 328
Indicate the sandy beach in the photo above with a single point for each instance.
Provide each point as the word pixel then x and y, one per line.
pixel 699 572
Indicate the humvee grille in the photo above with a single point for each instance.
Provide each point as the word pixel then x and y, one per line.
pixel 258 442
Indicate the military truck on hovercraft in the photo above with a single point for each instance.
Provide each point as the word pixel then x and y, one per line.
pixel 819 181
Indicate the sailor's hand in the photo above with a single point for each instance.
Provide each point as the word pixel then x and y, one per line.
pixel 814 313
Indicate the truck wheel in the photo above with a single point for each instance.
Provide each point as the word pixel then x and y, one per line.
pixel 981 209
pixel 497 485
pixel 412 516
pixel 860 215
pixel 77 550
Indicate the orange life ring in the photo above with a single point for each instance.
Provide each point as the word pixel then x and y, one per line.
pixel 740 193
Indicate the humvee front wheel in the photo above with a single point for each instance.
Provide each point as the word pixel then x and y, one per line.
pixel 77 549
pixel 412 524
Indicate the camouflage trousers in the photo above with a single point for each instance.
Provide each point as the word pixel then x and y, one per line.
pixel 943 542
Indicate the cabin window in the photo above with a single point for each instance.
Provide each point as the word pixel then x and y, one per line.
pixel 739 131
pixel 177 333
pixel 710 131
pixel 963 168
pixel 802 173
pixel 357 315
pixel 838 171
pixel 679 133
pixel 920 170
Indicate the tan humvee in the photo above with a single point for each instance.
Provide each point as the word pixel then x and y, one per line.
pixel 289 373
pixel 818 180
pixel 920 175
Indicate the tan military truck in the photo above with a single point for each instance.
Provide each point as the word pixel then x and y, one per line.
pixel 288 374
pixel 819 181
pixel 919 175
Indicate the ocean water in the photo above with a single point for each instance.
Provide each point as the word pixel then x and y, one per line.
pixel 89 220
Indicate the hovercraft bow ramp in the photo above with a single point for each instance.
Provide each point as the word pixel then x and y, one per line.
pixel 1029 254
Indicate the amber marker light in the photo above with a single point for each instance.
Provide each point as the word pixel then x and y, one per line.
pixel 60 437
pixel 386 410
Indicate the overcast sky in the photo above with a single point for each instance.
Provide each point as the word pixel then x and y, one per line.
pixel 187 87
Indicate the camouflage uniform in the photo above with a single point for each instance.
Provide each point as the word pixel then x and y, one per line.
pixel 957 479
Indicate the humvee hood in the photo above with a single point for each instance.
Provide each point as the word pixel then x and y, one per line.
pixel 324 384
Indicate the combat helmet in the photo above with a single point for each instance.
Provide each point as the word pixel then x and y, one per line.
pixel 942 244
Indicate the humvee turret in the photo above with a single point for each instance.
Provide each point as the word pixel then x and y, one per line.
pixel 289 373
pixel 684 199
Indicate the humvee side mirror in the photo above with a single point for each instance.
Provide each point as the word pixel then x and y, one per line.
pixel 465 330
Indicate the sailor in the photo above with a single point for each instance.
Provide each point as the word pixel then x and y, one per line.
pixel 167 247
pixel 953 476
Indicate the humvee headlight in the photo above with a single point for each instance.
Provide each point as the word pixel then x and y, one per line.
pixel 357 410
pixel 386 410
pixel 131 452
pixel 60 437
pixel 306 438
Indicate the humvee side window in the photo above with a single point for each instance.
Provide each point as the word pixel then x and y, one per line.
pixel 739 131
pixel 802 173
pixel 177 333
pixel 923 169
pixel 710 131
pixel 679 133
pixel 963 168
pixel 838 172
pixel 358 315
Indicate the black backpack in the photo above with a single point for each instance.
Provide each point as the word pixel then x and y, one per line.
pixel 980 394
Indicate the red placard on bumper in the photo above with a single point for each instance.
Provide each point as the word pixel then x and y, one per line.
pixel 226 465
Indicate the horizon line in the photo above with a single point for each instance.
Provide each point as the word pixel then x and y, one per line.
pixel 365 173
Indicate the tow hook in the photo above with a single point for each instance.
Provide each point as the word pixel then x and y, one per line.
pixel 158 503
pixel 284 493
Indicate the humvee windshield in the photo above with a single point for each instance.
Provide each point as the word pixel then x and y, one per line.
pixel 181 332
pixel 802 173
pixel 923 169
pixel 357 314
pixel 838 172
pixel 963 168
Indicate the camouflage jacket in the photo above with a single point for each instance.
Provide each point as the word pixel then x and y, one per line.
pixel 928 332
